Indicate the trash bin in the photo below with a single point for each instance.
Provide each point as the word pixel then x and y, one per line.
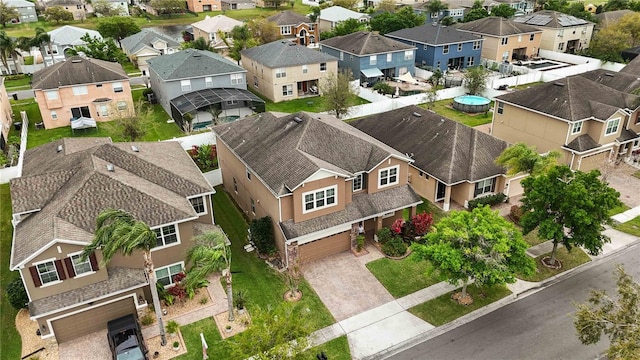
pixel 15 96
pixel 17 125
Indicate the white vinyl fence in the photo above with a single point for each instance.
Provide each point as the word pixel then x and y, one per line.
pixel 214 177
pixel 8 173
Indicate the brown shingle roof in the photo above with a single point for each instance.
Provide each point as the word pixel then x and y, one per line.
pixel 77 70
pixel 496 26
pixel 621 81
pixel 365 42
pixel 583 143
pixel 289 18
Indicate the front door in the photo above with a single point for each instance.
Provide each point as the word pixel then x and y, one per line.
pixel 303 37
pixel 441 189
pixel 79 112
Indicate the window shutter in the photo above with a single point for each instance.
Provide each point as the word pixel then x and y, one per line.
pixel 60 269
pixel 94 262
pixel 68 263
pixel 35 276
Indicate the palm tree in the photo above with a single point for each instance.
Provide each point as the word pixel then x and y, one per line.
pixel 40 39
pixel 117 231
pixel 9 48
pixel 210 254
pixel 522 158
pixel 199 44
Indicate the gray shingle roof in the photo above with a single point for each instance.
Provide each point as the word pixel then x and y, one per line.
pixel 621 81
pixel 434 35
pixel 289 18
pixel 572 98
pixel 63 2
pixel 192 63
pixel 71 35
pixel 283 53
pixel 284 153
pixel 583 143
pixel 77 70
pixel 338 13
pixel 633 67
pixel 496 26
pixel 365 42
pixel 611 17
pixel 627 135
pixel 145 37
pixel 551 19
pixel 445 149
pixel 71 187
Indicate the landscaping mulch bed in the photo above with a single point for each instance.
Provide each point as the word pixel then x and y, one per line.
pixel 165 352
pixel 31 341
pixel 240 324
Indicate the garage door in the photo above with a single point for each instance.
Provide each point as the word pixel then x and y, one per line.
pixel 86 322
pixel 515 187
pixel 596 161
pixel 319 249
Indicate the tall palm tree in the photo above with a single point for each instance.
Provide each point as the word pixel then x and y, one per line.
pixel 9 48
pixel 117 231
pixel 40 39
pixel 210 254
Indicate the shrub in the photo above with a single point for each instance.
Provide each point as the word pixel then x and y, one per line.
pixel 147 319
pixel 172 327
pixel 383 88
pixel 515 213
pixel 204 300
pixel 178 292
pixel 240 299
pixel 395 247
pixel 384 235
pixel 359 242
pixel 487 200
pixel 422 223
pixel 205 156
pixel 16 294
pixel 146 92
pixel 178 277
pixel 397 225
pixel 262 235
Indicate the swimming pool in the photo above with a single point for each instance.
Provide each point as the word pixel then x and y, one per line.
pixel 471 103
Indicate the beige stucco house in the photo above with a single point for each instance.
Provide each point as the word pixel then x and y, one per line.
pixel 147 44
pixel 282 70
pixel 296 27
pixel 214 28
pixel 81 88
pixel 203 5
pixel 75 7
pixel 65 184
pixel 560 32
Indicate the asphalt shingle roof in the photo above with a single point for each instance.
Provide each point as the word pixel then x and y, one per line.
pixel 192 63
pixel 77 70
pixel 496 26
pixel 70 35
pixel 621 81
pixel 556 20
pixel 607 18
pixel 211 24
pixel 144 38
pixel 365 42
pixel 289 17
pixel 583 143
pixel 338 13
pixel 283 53
pixel 434 35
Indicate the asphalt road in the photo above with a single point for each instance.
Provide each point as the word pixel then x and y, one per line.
pixel 538 326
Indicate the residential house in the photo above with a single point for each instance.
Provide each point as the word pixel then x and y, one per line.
pixel 504 40
pixel 212 27
pixel 588 122
pixel 452 162
pixel 297 27
pixel 26 10
pixel 203 5
pixel 81 88
pixel 316 177
pixel 371 56
pixel 64 38
pixel 6 115
pixel 455 10
pixel 193 80
pixel 560 32
pixel 334 15
pixel 626 80
pixel 609 18
pixel 441 47
pixel 237 4
pixel 65 184
pixel 76 7
pixel 121 6
pixel 147 44
pixel 283 70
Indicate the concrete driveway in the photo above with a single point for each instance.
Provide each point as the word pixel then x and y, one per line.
pixel 94 346
pixel 345 285
pixel 620 178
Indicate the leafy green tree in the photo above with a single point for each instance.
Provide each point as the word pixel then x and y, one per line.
pixel 39 40
pixel 242 39
pixel 522 158
pixel 447 21
pixel 391 21
pixel 608 44
pixel 568 208
pixel 104 8
pixel 346 27
pixel 131 124
pixel 117 27
pixel 117 231
pixel 199 44
pixel 479 246
pixel 476 12
pixel 168 7
pixel 263 30
pixel 630 24
pixel 577 9
pixel 475 79
pixel 7 13
pixel 613 5
pixel 503 10
pixel 618 318
pixel 102 49
pixel 262 235
pixel 16 294
pixel 337 92
pixel 8 49
pixel 315 13
pixel 435 6
pixel 57 14
pixel 210 254
pixel 556 5
pixel 386 5
pixel 347 4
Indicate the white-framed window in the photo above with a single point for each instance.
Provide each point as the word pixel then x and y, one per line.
pixel 81 267
pixel 408 54
pixel 323 67
pixel 389 57
pixel 373 59
pixel 248 175
pixel 281 72
pixel 102 110
pixel 445 49
pixel 255 81
pixel 459 47
pixel 388 176
pixel 80 90
pixel 319 199
pixel 117 87
pixel 166 235
pixel 253 206
pixel 476 45
pixel 504 41
pixel 470 60
pixel 54 50
pixel 51 94
pixel 612 126
pixel 185 85
pixel 561 46
pixel 164 275
pixel 636 144
pixel 484 187
pixel 532 36
pixel 576 127
pixel 208 81
pixel 519 38
pixel 561 33
pixel 358 182
pixel 235 185
pixel 236 79
pixel 47 272
pixel 305 68
pixel 285 30
pixel 122 105
pixel 500 106
pixel 341 55
pixel 54 115
pixel 287 90
pixel 198 205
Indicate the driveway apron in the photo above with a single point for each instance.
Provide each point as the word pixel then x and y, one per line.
pixel 94 346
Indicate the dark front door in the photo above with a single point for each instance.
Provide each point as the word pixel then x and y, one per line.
pixel 441 188
pixel 79 112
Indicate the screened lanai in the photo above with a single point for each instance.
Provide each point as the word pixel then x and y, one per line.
pixel 214 106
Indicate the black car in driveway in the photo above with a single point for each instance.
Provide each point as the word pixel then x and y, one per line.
pixel 125 339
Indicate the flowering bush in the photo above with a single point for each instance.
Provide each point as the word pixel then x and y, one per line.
pixel 178 277
pixel 422 223
pixel 205 156
pixel 397 226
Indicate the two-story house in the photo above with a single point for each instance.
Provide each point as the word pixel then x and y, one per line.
pixel 560 32
pixel 441 47
pixel 455 10
pixel 64 38
pixel 371 56
pixel 213 28
pixel 316 177
pixel 26 10
pixel 65 184
pixel 283 70
pixel 334 15
pixel 237 4
pixel 504 40
pixel 203 5
pixel 75 7
pixel 297 27
pixel 587 122
pixel 120 7
pixel 81 88
pixel 147 44
pixel 6 115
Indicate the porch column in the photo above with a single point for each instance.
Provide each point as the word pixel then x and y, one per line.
pixel 413 211
pixel 447 198
pixel 378 224
pixel 354 234
pixel 292 253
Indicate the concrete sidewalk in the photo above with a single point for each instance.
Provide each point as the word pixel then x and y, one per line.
pixel 627 215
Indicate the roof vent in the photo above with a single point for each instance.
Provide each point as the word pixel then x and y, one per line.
pixel 75 61
pixel 59 149
pixel 608 74
pixel 558 84
pixel 297 119
pixel 417 114
pixel 110 167
pixel 196 55
pixel 134 148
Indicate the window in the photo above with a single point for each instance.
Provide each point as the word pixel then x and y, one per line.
pixel 408 55
pixel 531 37
pixel 51 95
pixel 102 110
pixel 612 126
pixel 248 175
pixel 341 55
pixel 445 49
pixel 319 199
pixel 388 176
pixel 305 68
pixel 208 81
pixel 48 272
pixel 561 46
pixel 373 59
pixel 484 187
pixel 117 87
pixel 500 107
pixel 54 115
pixel 236 79
pixel 253 206
pixel 287 90
pixel 122 105
pixel 98 85
pixel 636 143
pixel 80 90
pixel 561 33
pixel 285 30
pixel 504 41
pixel 576 128
pixel 476 45
pixel 166 235
pixel 185 85
pixel 231 102
pixel 235 185
pixel 198 205
pixel 470 60
pixel 323 67
pixel 358 182
pixel 281 72
pixel 165 274
pixel 519 38
pixel 389 57
pixel 459 47
pixel 81 267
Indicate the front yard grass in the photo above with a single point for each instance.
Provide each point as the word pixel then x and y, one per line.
pixel 618 209
pixel 403 277
pixel 443 108
pixel 336 349
pixel 443 309
pixel 532 237
pixel 630 227
pixel 569 259
pixel 21 81
pixel 311 104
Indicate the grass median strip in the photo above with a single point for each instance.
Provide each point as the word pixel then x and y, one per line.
pixel 403 277
pixel 630 227
pixel 569 259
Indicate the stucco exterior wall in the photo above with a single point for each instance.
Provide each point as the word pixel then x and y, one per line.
pixel 199 5
pixel 493 49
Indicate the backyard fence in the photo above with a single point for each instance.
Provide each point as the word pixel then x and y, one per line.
pixel 214 177
pixel 8 173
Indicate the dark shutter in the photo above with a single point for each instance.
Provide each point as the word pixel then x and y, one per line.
pixel 35 276
pixel 60 269
pixel 68 263
pixel 94 262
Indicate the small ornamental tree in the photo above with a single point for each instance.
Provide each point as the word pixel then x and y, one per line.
pixel 57 14
pixel 16 294
pixel 422 223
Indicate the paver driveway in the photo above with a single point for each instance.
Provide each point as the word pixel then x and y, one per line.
pixel 620 178
pixel 94 346
pixel 345 285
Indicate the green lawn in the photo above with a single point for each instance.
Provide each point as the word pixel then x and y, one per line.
pixel 443 108
pixel 130 68
pixel 403 277
pixel 22 81
pixel 569 260
pixel 443 309
pixel 10 341
pixel 310 104
pixel 532 237
pixel 618 209
pixel 631 227
pixel 429 207
pixel 336 349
